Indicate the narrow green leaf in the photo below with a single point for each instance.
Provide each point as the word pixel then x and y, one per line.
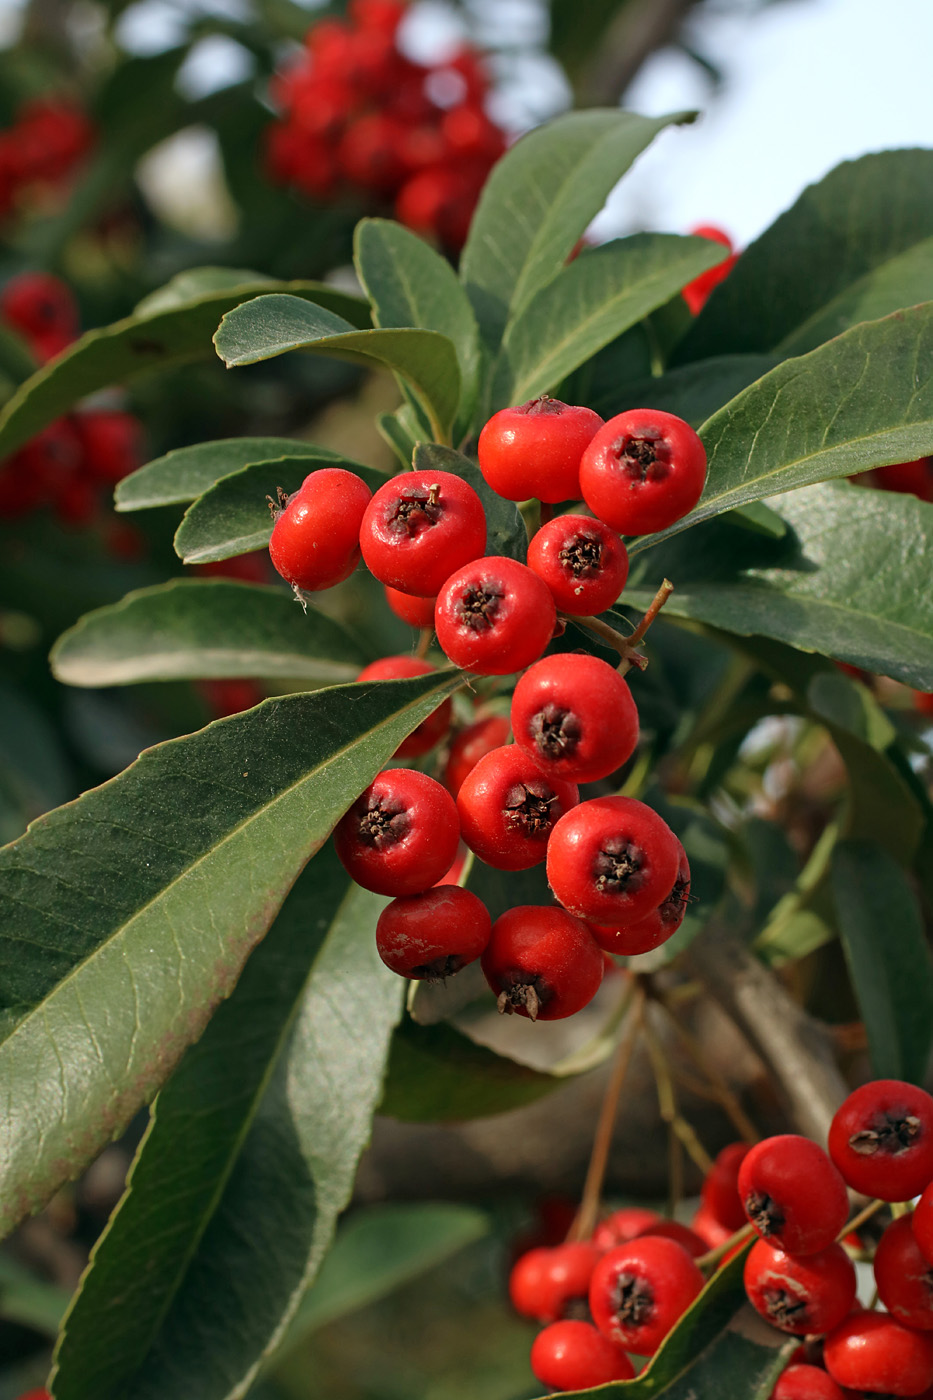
pixel 400 432
pixel 537 202
pixel 694 392
pixel 233 516
pixel 250 1156
pixel 505 529
pixel 28 1300
pixel 888 956
pixel 409 284
pixel 588 304
pixel 116 354
pixel 128 914
pixel 196 629
pixel 793 285
pixel 187 472
pixel 271 325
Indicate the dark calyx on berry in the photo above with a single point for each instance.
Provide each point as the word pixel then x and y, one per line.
pixel 672 907
pixel 783 1309
pixel 416 512
pixel 383 823
pixel 529 997
pixel 529 807
pixel 583 557
pixel 893 1132
pixel 439 969
pixel 644 458
pixel 764 1213
pixel 634 1300
pixel 618 868
pixel 534 408
pixel 282 499
pixel 555 731
pixel 477 609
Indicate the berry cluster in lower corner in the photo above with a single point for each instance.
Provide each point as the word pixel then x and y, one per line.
pixel 360 118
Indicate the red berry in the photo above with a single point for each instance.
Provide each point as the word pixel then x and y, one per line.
pixel 417 612
pixel 623 1225
pixel 710 1229
pixel 881 1139
pixel 719 1193
pixel 871 1351
pixel 508 809
pixel 655 928
pixel 909 478
pixel 384 15
pixel 803 1382
pixel 368 153
pixel 643 471
pixel 612 859
pixel 696 292
pixel 792 1194
pixel 419 528
pixel 575 1356
pixel 545 1282
pixel 922 1223
pixel 494 616
pixel 434 934
pixel 472 744
pixel 639 1291
pixel 535 449
pixel 43 309
pixel 688 1239
pixel 542 963
pixel 315 539
pixel 904 1277
pixel 576 717
pixel 230 697
pixel 923 702
pixel 112 442
pixel 400 835
pixel 431 730
pixel 582 561
pixel 800 1295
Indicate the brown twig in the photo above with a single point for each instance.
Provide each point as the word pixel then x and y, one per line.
pixel 667 1102
pixel 627 646
pixel 424 642
pixel 720 1089
pixel 858 1221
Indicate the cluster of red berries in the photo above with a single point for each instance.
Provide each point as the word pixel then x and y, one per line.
pixel 639 1273
pixel 73 464
pixel 47 141
pixel 359 117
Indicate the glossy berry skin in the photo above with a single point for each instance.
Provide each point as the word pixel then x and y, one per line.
pixel 535 449
pixel 719 1193
pixel 546 1282
pixel 434 934
pixel 573 1355
pixel 643 471
pixel 881 1139
pixel 574 714
pixel 904 1277
pixel 697 292
pixel 508 808
pixel 792 1194
pixel 417 612
pixel 709 1228
pixel 472 744
pixel 802 1382
pixel 623 1225
pixel 655 928
pixel 872 1352
pixel 112 442
pixel 922 1223
pixel 582 561
pixel 401 834
pixel 688 1239
pixel 419 528
pixel 494 616
pixel 542 963
pixel 800 1295
pixel 639 1290
pixel 612 860
pixel 315 538
pixel 431 730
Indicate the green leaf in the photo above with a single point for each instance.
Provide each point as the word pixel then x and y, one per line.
pixel 850 579
pixel 117 354
pixel 409 284
pixel 505 529
pixel 187 472
pixel 537 202
pixel 694 392
pixel 250 1156
pixel 29 1301
pixel 888 957
pixel 197 629
pixel 588 304
pixel 128 914
pixel 863 400
pixel 842 242
pixel 400 431
pixel 271 325
pixel 233 516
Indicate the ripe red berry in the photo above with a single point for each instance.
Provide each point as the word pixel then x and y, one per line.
pixel 472 744
pixel 655 928
pixel 43 309
pixel 535 449
pixel 881 1139
pixel 907 478
pixel 792 1194
pixel 582 561
pixel 873 1352
pixel 719 1193
pixel 434 934
pixel 494 616
pixel 803 1382
pixel 542 963
pixel 419 528
pixel 573 1355
pixel 688 1239
pixel 417 612
pixel 576 717
pixel 623 1225
pixel 508 809
pixel 639 1291
pixel 400 835
pixel 710 1229
pixel 612 859
pixel 643 471
pixel 315 538
pixel 546 1282
pixel 112 442
pixel 431 730
pixel 695 293
pixel 904 1277
pixel 800 1295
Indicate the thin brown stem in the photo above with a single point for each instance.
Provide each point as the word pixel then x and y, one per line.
pixel 667 1102
pixel 627 646
pixel 726 1098
pixel 588 1213
pixel 424 642
pixel 654 607
pixel 713 1256
pixel 858 1221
